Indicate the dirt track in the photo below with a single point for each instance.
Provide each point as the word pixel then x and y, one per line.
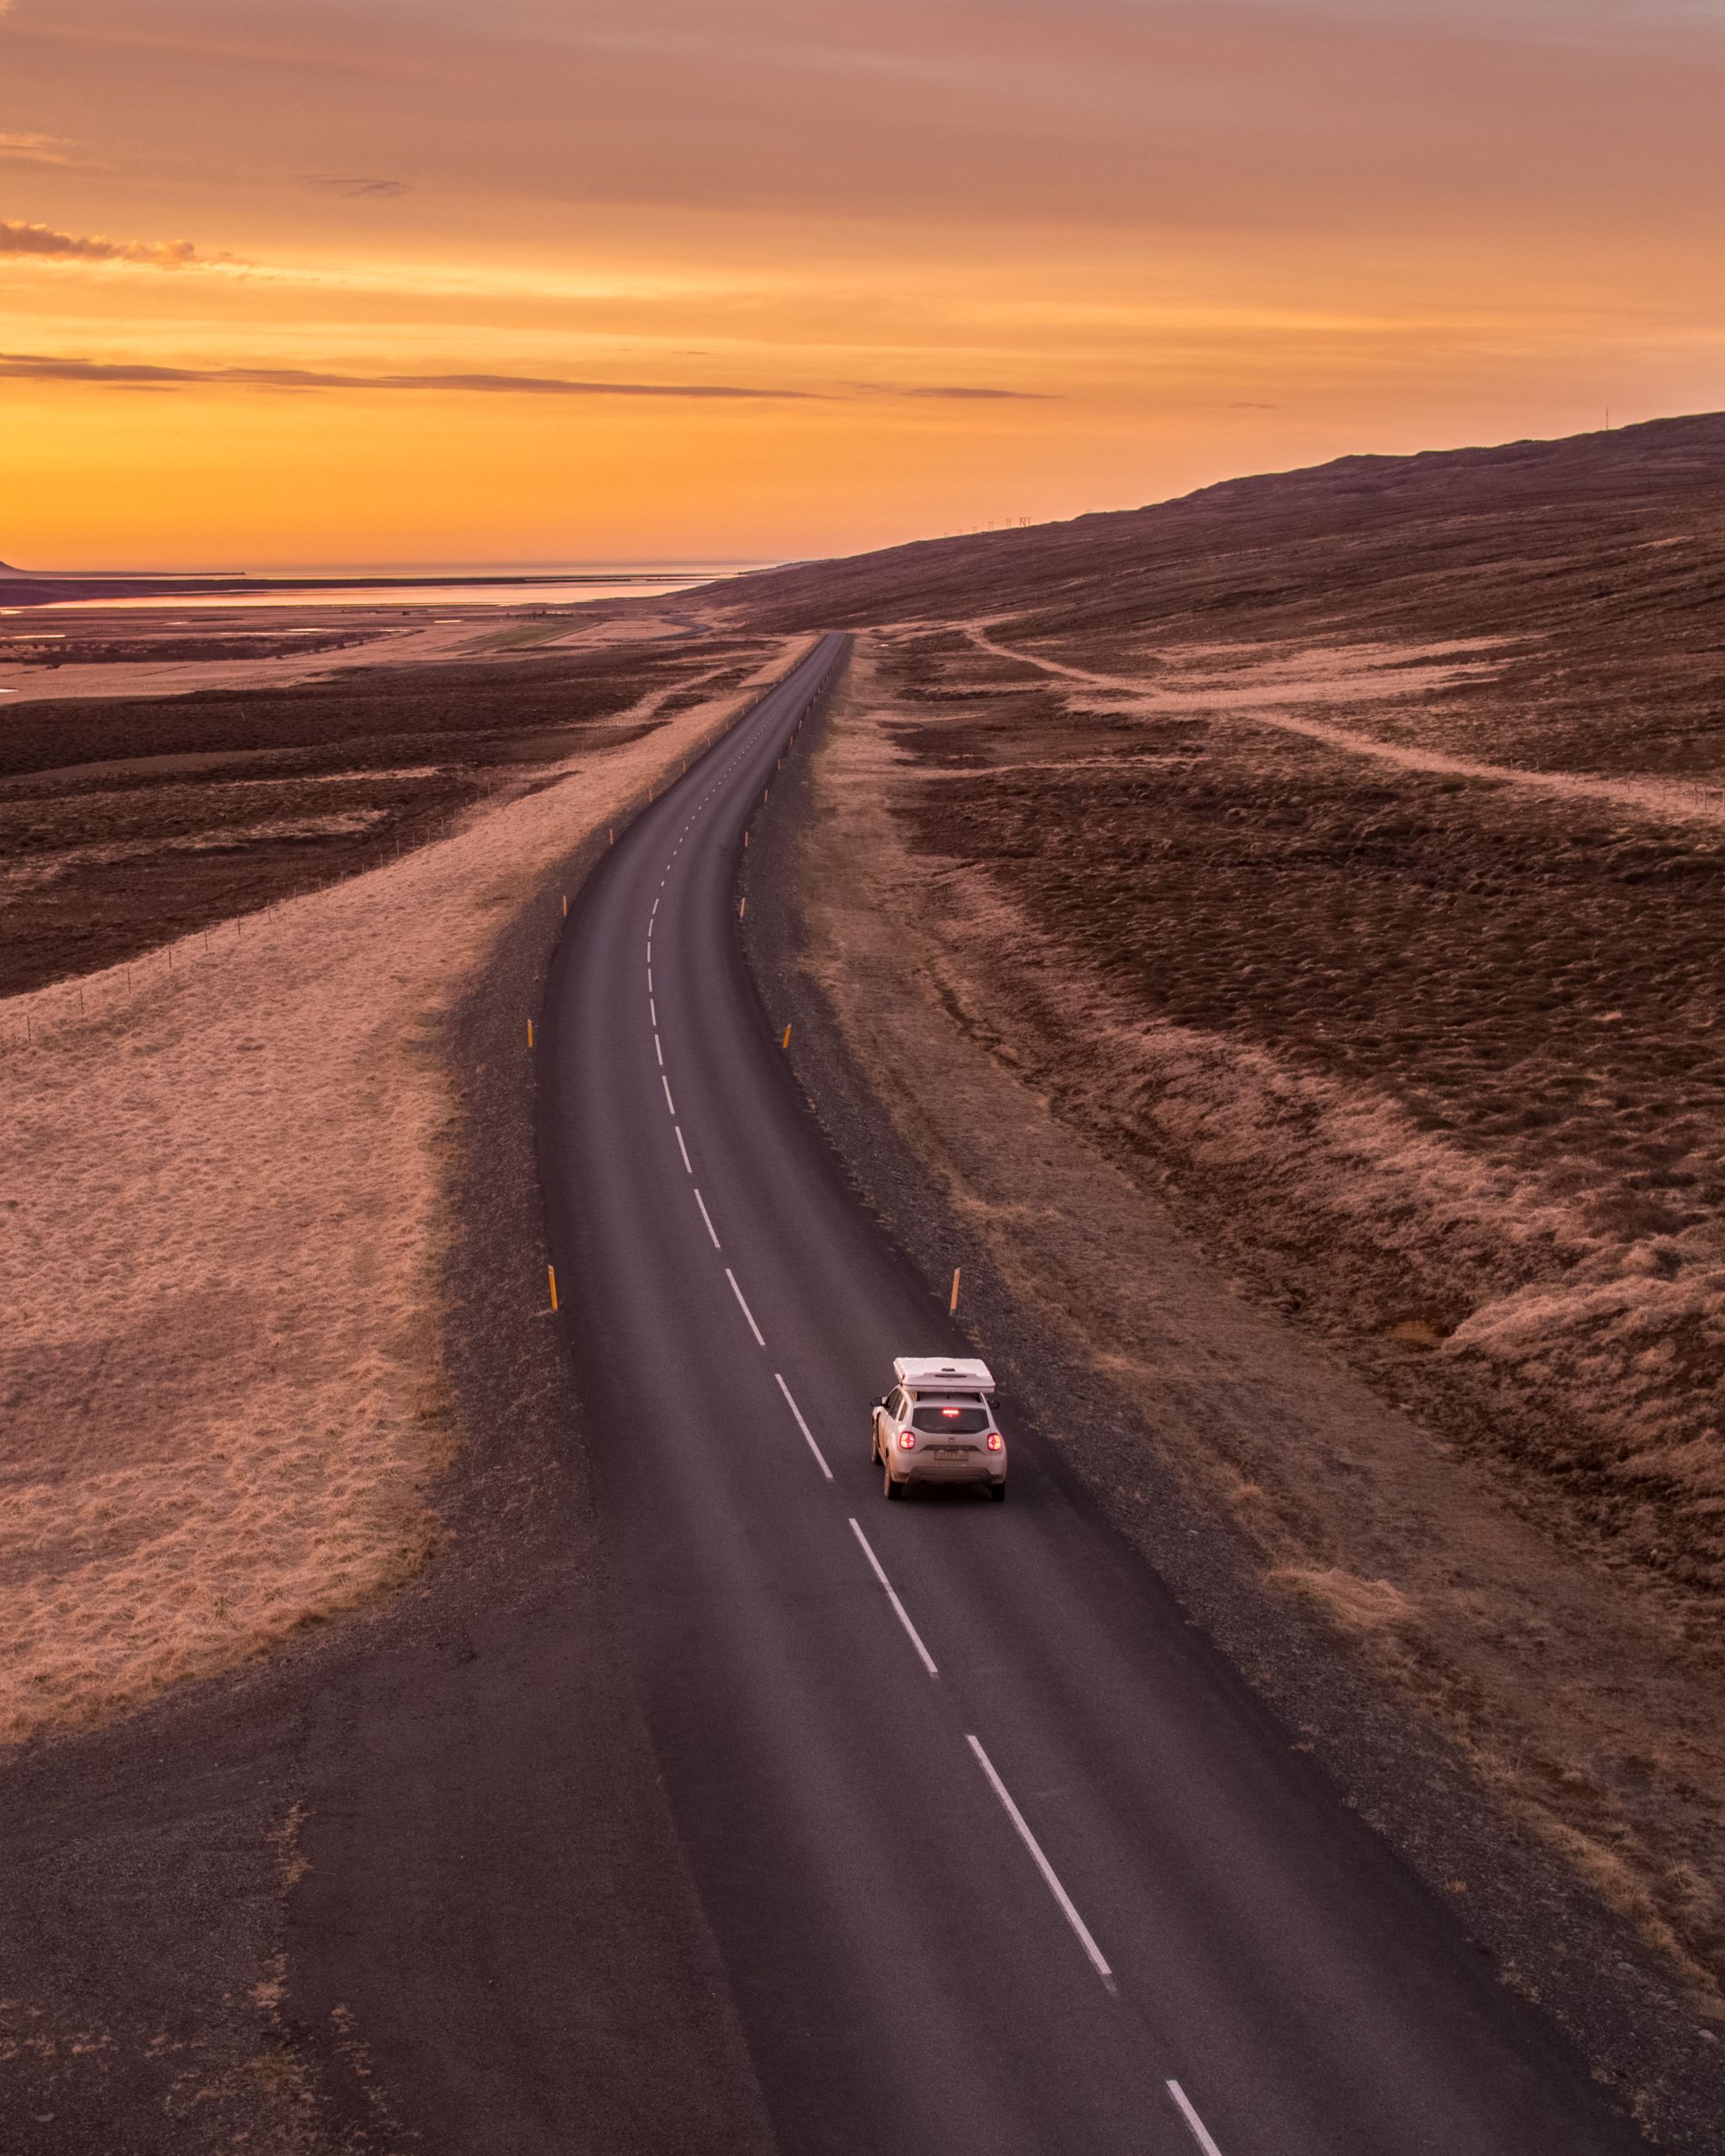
pixel 1272 695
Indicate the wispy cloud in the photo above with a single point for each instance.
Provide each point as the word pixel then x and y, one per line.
pixel 958 390
pixel 35 367
pixel 355 183
pixel 141 374
pixel 35 149
pixel 42 242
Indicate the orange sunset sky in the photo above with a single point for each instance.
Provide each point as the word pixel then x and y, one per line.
pixel 398 280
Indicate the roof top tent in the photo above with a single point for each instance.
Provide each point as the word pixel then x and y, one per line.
pixel 926 1373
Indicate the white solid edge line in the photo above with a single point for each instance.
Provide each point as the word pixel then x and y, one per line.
pixel 1200 2132
pixel 669 1102
pixel 744 1307
pixel 1048 1876
pixel 659 1051
pixel 808 1433
pixel 682 1148
pixel 708 1218
pixel 898 1607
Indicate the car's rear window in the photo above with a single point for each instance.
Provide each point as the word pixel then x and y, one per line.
pixel 953 1418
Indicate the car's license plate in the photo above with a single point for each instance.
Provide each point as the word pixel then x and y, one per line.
pixel 950 1451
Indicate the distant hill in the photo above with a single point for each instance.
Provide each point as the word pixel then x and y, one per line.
pixel 1451 541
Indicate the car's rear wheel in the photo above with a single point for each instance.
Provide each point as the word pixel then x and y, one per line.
pixel 893 1489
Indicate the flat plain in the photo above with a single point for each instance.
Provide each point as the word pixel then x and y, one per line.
pixel 154 781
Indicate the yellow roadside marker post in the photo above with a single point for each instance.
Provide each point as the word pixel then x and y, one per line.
pixel 786 1042
pixel 550 1274
pixel 742 909
pixel 530 1033
pixel 952 1307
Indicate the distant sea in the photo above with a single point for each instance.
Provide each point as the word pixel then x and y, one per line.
pixel 578 582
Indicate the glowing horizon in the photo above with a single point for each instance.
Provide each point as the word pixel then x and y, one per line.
pixel 389 283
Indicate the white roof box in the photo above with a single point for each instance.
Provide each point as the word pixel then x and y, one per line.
pixel 928 1373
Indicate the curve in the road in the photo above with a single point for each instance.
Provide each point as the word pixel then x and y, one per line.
pixel 1000 1855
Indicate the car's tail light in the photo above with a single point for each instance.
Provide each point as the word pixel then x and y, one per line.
pixel 996 1442
pixel 907 1440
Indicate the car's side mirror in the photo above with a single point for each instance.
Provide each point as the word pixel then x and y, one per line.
pixel 881 1402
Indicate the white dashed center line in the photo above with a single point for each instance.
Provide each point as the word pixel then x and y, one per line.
pixel 1200 2132
pixel 898 1607
pixel 708 1218
pixel 669 1102
pixel 658 1050
pixel 808 1433
pixel 744 1307
pixel 1049 1878
pixel 682 1147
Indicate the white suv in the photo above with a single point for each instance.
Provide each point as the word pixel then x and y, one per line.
pixel 936 1425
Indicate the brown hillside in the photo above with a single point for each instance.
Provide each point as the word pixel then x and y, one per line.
pixel 1608 546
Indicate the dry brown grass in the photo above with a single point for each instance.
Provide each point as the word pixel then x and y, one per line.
pixel 1214 1191
pixel 138 654
pixel 1436 1061
pixel 126 823
pixel 1363 1605
pixel 221 1193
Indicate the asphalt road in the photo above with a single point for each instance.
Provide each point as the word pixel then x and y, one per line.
pixel 999 1854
